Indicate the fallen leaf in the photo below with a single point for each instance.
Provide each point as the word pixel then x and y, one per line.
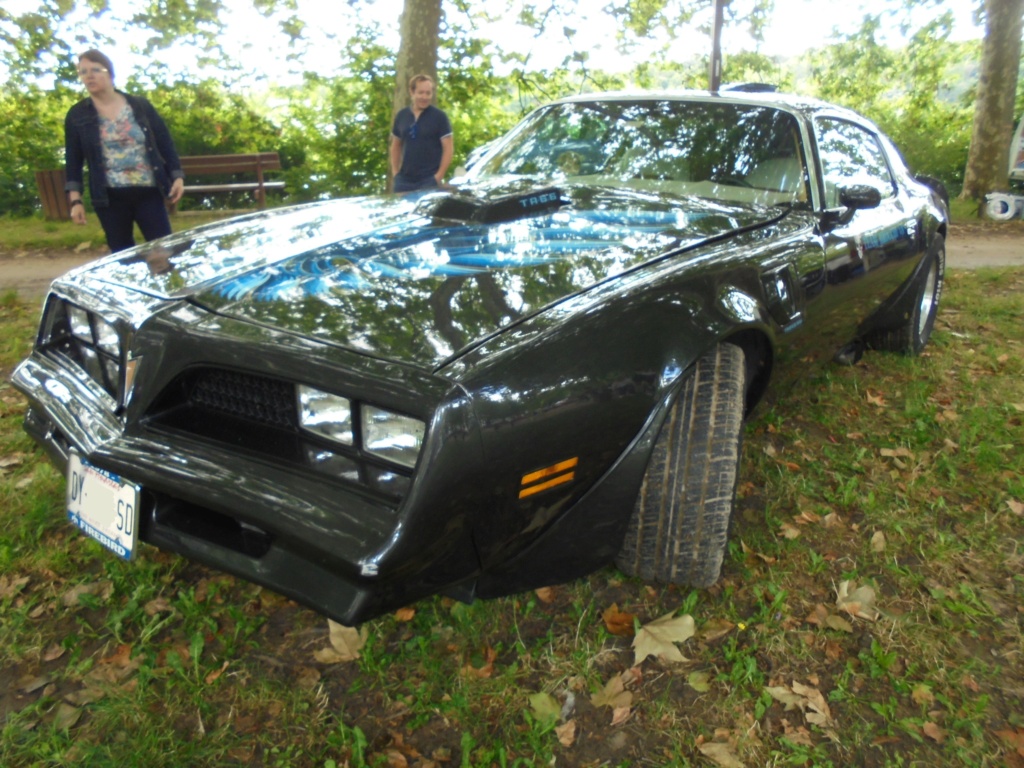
pixel 721 754
pixel 566 733
pixel 13 460
pixel 818 615
pixel 933 732
pixel 785 696
pixel 833 520
pixel 308 677
pixel 751 553
pixel 66 716
pixel 216 673
pixel 797 734
pixel 838 623
pixel 789 531
pixel 545 707
pixel 345 644
pixel 1014 738
pixel 405 614
pixel 820 713
pixel 485 670
pixel 545 594
pixel 32 683
pixel 1016 507
pixel 86 695
pixel 714 629
pixel 658 638
pixel 620 715
pixel 618 622
pixel 858 602
pixel 878 542
pixel 158 605
pixel 922 694
pixel 699 681
pixel 614 694
pixel 10 586
pixel 100 589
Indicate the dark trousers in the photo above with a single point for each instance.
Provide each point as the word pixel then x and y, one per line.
pixel 131 205
pixel 403 183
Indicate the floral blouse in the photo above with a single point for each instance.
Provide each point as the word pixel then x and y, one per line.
pixel 124 151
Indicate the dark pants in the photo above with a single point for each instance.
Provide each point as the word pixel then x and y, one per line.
pixel 405 184
pixel 131 205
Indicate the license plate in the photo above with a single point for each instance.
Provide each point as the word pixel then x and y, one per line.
pixel 103 506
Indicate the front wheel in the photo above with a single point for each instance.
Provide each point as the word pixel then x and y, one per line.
pixel 911 337
pixel 677 533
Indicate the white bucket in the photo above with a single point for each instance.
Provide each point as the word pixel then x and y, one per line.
pixel 1003 207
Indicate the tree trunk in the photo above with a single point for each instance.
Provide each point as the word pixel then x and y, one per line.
pixel 989 157
pixel 420 29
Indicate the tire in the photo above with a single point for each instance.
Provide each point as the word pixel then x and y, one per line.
pixel 912 337
pixel 680 523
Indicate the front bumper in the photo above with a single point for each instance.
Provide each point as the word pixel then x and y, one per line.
pixel 317 542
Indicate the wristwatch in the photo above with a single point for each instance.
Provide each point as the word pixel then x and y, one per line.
pixel 73 203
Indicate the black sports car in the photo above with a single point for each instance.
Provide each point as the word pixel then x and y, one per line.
pixel 497 386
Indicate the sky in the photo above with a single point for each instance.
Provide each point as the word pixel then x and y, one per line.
pixel 795 26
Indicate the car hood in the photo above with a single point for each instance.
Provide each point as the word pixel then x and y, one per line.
pixel 418 280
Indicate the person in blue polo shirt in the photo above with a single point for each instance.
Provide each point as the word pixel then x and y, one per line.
pixel 421 140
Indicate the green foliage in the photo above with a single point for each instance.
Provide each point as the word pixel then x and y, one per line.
pixel 905 91
pixel 32 139
pixel 332 130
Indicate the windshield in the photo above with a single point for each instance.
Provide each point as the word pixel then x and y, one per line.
pixel 729 152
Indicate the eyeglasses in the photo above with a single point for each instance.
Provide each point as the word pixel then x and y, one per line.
pixel 92 71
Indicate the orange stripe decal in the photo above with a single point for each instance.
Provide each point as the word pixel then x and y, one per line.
pixel 560 480
pixel 554 469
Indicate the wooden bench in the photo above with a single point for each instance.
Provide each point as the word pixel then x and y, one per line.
pixel 52 194
pixel 252 163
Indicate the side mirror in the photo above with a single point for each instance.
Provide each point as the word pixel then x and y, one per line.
pixel 857 197
pixel 860 197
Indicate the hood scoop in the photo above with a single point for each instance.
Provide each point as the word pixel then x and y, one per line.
pixel 494 210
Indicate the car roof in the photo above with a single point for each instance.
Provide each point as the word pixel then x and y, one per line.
pixel 788 101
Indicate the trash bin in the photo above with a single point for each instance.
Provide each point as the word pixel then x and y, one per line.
pixel 52 194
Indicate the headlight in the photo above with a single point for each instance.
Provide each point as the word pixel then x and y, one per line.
pixel 392 436
pixel 325 414
pixel 107 338
pixel 78 320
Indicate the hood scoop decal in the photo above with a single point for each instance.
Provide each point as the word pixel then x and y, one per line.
pixel 461 207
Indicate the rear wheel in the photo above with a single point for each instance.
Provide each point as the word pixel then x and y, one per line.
pixel 680 523
pixel 911 337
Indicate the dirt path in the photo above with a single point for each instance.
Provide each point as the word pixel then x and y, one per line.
pixel 969 247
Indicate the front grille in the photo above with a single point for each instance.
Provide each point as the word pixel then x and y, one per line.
pixel 244 396
pixel 260 415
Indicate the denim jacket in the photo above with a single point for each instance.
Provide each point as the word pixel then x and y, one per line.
pixel 82 145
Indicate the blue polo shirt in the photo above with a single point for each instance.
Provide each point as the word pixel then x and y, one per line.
pixel 421 149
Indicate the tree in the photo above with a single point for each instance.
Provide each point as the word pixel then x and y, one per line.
pixel 989 156
pixel 909 91
pixel 420 27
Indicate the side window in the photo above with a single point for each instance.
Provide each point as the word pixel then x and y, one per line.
pixel 850 155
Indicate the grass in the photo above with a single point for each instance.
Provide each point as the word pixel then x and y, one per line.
pixel 27 233
pixel 901 475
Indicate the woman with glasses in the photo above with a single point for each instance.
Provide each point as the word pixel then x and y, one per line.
pixel 421 140
pixel 133 165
